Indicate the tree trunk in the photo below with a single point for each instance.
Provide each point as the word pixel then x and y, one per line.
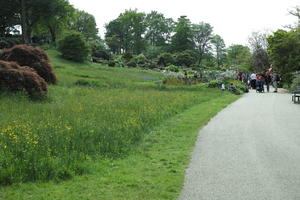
pixel 52 33
pixel 25 35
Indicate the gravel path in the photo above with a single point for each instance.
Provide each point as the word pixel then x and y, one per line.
pixel 250 150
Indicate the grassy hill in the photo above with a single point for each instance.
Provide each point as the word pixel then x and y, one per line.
pixel 109 125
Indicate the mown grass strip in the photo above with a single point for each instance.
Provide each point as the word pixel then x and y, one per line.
pixel 154 170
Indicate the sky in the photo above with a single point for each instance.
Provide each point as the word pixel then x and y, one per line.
pixel 233 20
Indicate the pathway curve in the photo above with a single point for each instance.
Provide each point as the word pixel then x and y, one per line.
pixel 249 151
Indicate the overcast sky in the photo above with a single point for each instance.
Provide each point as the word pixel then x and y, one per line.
pixel 233 20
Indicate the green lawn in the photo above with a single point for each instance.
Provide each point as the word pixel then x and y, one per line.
pixel 126 135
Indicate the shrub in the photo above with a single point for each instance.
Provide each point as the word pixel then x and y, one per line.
pixel 131 63
pixel 153 52
pixel 165 59
pixel 9 42
pixel 172 68
pixel 118 61
pixel 295 82
pixel 33 57
pixel 127 56
pixel 99 51
pixel 186 58
pixel 16 78
pixel 73 47
pixel 140 61
pixel 214 84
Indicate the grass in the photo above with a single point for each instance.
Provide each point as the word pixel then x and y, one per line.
pixel 154 170
pixel 118 128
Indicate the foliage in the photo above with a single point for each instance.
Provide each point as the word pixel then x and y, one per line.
pixel 85 24
pixel 124 34
pixel 227 75
pixel 159 29
pixel 296 82
pixel 14 78
pixel 99 50
pixel 152 52
pixel 219 46
pixel 284 51
pixel 239 55
pixel 202 36
pixel 73 47
pixel 35 58
pixel 166 59
pixel 260 58
pixel 214 84
pixel 185 58
pixel 8 17
pixel 140 61
pixel 54 24
pixel 8 42
pixel 172 68
pixel 182 39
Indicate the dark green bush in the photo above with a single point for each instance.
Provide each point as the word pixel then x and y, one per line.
pixel 127 56
pixel 172 68
pixel 73 47
pixel 166 59
pixel 9 42
pixel 186 58
pixel 214 84
pixel 100 51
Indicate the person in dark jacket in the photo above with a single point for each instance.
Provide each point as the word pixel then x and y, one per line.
pixel 268 81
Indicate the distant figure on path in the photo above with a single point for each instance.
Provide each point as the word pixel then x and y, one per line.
pixel 268 81
pixel 253 81
pixel 275 79
pixel 260 80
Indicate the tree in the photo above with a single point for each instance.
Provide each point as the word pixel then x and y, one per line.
pixel 9 16
pixel 73 47
pixel 84 23
pixel 31 13
pixel 219 46
pixel 296 13
pixel 114 36
pixel 183 37
pixel 55 23
pixel 158 29
pixel 284 51
pixel 239 55
pixel 202 36
pixel 258 44
pixel 128 29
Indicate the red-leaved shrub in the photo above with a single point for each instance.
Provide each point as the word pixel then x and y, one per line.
pixel 33 57
pixel 18 78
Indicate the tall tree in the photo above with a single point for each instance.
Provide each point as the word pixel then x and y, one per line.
pixel 128 29
pixel 258 44
pixel 61 11
pixel 284 51
pixel 84 23
pixel 158 29
pixel 202 36
pixel 239 55
pixel 9 16
pixel 219 46
pixel 183 37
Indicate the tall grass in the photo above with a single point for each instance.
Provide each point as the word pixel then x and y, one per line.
pixel 55 138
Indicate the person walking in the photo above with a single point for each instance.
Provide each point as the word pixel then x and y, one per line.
pixel 275 79
pixel 268 81
pixel 253 81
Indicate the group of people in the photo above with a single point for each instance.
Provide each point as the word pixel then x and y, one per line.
pixel 257 80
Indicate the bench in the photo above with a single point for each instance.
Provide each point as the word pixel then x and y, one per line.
pixel 296 95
